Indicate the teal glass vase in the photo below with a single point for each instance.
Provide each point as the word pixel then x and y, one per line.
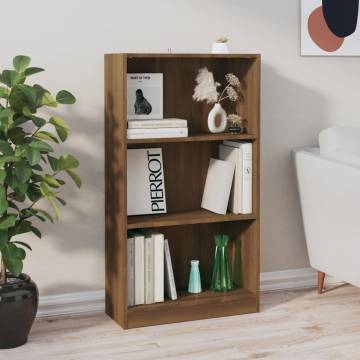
pixel 221 276
pixel 194 278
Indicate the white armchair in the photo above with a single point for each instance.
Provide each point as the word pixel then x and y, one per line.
pixel 329 188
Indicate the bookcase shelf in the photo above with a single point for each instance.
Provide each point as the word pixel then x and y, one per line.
pixel 183 218
pixel 189 229
pixel 194 138
pixel 236 302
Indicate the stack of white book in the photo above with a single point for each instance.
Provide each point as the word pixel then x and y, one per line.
pixel 229 180
pixel 162 128
pixel 150 271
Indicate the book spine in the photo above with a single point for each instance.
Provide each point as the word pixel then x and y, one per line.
pixel 158 267
pixel 156 133
pixel 149 270
pixel 139 270
pixel 131 272
pixel 156 124
pixel 169 273
pixel 246 205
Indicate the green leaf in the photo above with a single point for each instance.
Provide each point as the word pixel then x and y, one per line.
pixel 34 193
pixel 21 62
pixel 33 155
pixel 21 227
pixel 48 100
pixel 68 162
pixel 6 118
pixel 55 207
pixel 23 244
pixel 5 148
pixel 33 70
pixel 17 135
pixel 2 176
pixel 8 158
pixel 38 121
pixel 65 97
pixel 3 238
pixel 45 135
pixel 7 221
pixel 46 191
pixel 22 171
pixel 75 177
pixel 19 120
pixel 54 163
pixel 61 201
pixel 11 77
pixel 46 214
pixel 41 146
pixel 4 92
pixel 23 96
pixel 36 231
pixel 13 258
pixel 50 180
pixel 3 202
pixel 61 127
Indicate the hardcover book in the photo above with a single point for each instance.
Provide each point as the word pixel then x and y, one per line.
pixel 170 286
pixel 145 182
pixel 217 186
pixel 131 272
pixel 149 269
pixel 139 249
pixel 240 154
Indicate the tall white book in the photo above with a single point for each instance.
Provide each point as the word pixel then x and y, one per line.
pixel 240 154
pixel 218 186
pixel 158 254
pixel 139 246
pixel 149 269
pixel 170 286
pixel 131 271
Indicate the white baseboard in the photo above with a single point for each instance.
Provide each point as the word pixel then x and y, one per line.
pixel 81 303
pixel 91 302
pixel 294 279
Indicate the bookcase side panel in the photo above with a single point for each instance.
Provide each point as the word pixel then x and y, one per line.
pixel 115 188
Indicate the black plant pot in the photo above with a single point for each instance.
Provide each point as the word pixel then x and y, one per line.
pixel 18 307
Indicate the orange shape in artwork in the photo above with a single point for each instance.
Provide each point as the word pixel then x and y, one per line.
pixel 320 32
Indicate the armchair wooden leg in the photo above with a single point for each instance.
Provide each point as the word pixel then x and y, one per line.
pixel 321 278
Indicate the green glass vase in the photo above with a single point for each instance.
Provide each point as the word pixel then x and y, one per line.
pixel 221 275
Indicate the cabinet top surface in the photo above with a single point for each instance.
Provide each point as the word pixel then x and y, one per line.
pixel 200 55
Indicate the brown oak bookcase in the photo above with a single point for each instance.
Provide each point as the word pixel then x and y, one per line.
pixel 189 229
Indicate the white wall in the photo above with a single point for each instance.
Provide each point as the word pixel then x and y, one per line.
pixel 300 96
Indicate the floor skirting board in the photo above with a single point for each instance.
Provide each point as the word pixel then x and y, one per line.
pixel 91 302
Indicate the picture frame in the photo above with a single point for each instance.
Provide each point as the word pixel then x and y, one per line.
pixel 330 28
pixel 144 96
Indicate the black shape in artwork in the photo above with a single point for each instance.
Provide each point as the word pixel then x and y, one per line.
pixel 341 16
pixel 142 106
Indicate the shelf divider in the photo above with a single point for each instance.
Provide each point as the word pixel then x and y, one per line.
pixel 194 138
pixel 200 216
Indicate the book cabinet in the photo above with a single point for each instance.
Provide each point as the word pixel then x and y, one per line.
pixel 189 229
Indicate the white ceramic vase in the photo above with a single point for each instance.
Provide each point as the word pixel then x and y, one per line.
pixel 219 48
pixel 216 111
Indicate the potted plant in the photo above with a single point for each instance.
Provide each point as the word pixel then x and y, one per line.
pixel 29 173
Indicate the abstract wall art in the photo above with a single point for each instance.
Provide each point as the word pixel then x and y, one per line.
pixel 330 27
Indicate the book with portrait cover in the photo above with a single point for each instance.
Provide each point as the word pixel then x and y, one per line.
pixel 145 182
pixel 144 96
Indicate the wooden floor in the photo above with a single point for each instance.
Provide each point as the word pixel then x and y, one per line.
pixel 291 325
